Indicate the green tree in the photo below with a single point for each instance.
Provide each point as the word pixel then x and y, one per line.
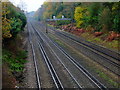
pixel 6 27
pixel 22 17
pixel 79 14
pixel 94 10
pixel 116 16
pixel 16 25
pixel 105 20
pixel 13 20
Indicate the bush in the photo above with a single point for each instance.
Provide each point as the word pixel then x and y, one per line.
pixel 16 25
pixel 13 20
pixel 22 17
pixel 15 62
pixel 63 22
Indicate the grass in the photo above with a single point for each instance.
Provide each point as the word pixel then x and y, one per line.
pixel 0 60
pixel 112 45
pixel 90 37
pixel 107 78
pixel 59 42
pixel 56 40
pixel 15 62
pixel 50 25
pixel 99 72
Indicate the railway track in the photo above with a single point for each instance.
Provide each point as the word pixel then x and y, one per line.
pixel 107 52
pixel 102 53
pixel 79 86
pixel 50 67
pixel 35 63
pixel 109 59
pixel 103 61
pixel 78 66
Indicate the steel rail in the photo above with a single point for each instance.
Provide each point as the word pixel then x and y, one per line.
pixel 53 73
pixel 61 62
pixel 34 60
pixel 94 50
pixel 109 61
pixel 116 58
pixel 80 67
pixel 51 68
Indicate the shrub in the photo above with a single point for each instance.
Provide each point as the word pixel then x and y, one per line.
pixel 16 25
pixel 63 22
pixel 13 20
pixel 15 62
pixel 22 17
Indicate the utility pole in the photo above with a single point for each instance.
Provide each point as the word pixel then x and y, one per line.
pixel 72 14
pixel 46 26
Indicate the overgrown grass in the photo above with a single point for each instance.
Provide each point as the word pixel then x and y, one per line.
pixel 59 42
pixel 56 40
pixel 98 71
pixel 50 25
pixel 107 78
pixel 15 61
pixel 112 45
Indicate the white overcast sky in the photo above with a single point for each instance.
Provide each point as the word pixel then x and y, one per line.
pixel 31 5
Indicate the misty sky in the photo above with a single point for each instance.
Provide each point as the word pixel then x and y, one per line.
pixel 31 5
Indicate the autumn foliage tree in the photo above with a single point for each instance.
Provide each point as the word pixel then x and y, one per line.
pixel 79 14
pixel 13 20
pixel 100 16
pixel 6 27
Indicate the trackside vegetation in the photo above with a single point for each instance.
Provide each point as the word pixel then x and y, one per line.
pixel 13 55
pixel 100 20
pixel 102 16
pixel 13 20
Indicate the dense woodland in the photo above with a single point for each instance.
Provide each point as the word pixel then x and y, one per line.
pixel 103 17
